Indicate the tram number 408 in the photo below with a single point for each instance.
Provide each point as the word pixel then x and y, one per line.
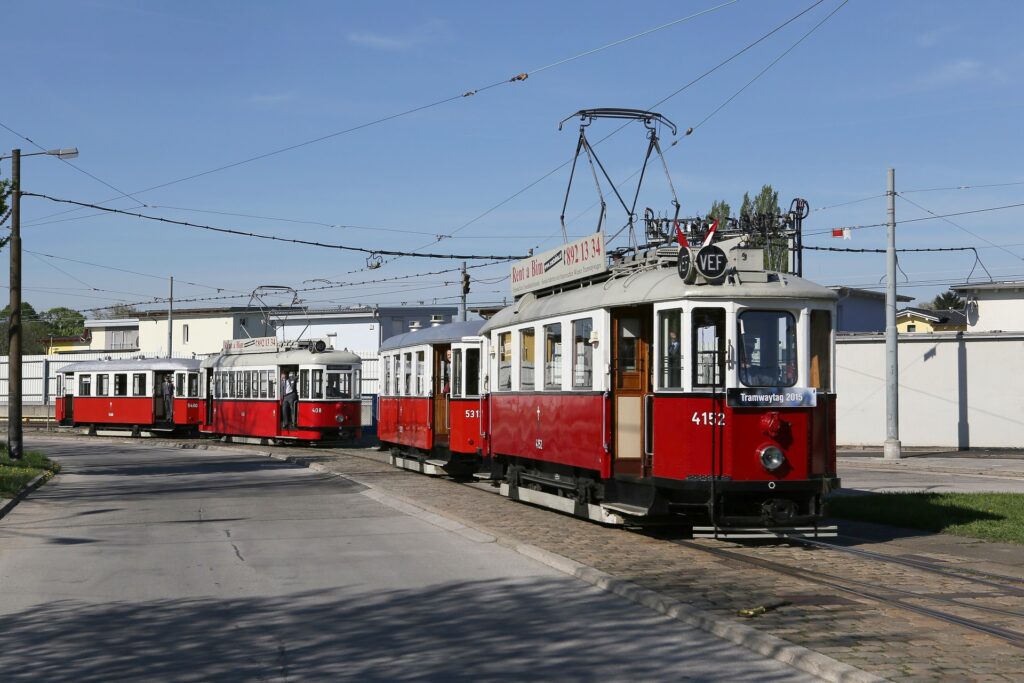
pixel 708 419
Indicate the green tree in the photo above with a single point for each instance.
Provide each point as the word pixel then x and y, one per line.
pixel 35 331
pixel 758 217
pixel 948 301
pixel 720 211
pixel 64 322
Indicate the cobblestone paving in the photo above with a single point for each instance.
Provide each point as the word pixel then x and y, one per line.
pixel 883 640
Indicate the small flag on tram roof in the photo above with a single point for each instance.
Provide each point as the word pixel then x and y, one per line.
pixel 680 237
pixel 711 234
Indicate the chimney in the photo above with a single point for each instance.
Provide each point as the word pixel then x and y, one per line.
pixel 414 325
pixel 436 319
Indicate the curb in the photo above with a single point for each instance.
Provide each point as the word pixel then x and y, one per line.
pixel 28 488
pixel 796 656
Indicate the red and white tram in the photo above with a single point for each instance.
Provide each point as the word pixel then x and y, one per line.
pixel 432 409
pixel 128 395
pixel 244 386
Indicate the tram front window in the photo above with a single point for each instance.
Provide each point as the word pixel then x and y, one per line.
pixel 767 349
pixel 708 344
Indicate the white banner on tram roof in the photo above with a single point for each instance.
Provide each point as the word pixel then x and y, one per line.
pixel 577 259
pixel 252 345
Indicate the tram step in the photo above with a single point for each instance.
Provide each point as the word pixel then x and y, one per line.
pixel 437 463
pixel 626 509
pixel 486 476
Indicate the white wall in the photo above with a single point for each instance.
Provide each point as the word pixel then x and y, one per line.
pixel 358 335
pixel 205 336
pixel 956 391
pixel 1003 311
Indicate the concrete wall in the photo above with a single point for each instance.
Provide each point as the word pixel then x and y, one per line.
pixel 1002 311
pixel 956 390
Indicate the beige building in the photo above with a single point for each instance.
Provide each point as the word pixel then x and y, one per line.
pixel 911 320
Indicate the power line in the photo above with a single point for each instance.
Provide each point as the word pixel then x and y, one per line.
pixel 915 220
pixel 883 251
pixel 956 225
pixel 518 78
pixel 242 233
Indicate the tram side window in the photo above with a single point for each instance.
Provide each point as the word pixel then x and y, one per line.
pixel 505 361
pixel 139 384
pixel 193 385
pixel 670 339
pixel 553 356
pixel 232 381
pixel 767 348
pixel 85 385
pixel 708 344
pixel 386 388
pixel 821 350
pixel 357 383
pixel 582 354
pixel 527 358
pixel 421 385
pixel 407 371
pixel 472 372
pixel 179 384
pixel 318 384
pixel 271 383
pixel 102 385
pixel 264 383
pixel 457 372
pixel 303 383
pixel 121 384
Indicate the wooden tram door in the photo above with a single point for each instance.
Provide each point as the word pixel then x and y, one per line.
pixel 442 392
pixel 631 384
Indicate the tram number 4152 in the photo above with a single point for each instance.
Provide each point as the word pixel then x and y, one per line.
pixel 708 419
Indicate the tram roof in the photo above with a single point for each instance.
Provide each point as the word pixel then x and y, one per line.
pixel 439 334
pixel 133 365
pixel 650 286
pixel 290 357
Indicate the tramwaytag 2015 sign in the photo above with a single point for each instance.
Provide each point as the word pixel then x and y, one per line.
pixel 572 261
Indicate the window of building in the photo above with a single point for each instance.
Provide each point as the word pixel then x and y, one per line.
pixel 472 372
pixel 505 361
pixel 139 384
pixel 527 358
pixel 708 344
pixel 421 384
pixel 582 354
pixel 670 340
pixel 553 356
pixel 821 350
pixel 121 384
pixel 318 384
pixel 767 348
pixel 184 333
pixel 911 328
pixel 102 385
pixel 85 385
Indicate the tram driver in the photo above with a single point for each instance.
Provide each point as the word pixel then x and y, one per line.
pixel 289 401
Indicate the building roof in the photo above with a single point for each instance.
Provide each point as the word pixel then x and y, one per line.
pixel 120 322
pixel 1006 285
pixel 293 312
pixel 937 316
pixel 438 334
pixel 844 291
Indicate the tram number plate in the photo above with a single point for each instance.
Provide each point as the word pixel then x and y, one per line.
pixel 472 414
pixel 708 419
pixel 318 410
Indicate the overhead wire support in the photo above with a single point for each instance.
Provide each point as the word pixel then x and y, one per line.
pixel 256 235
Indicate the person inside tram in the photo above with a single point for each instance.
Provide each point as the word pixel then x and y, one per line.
pixel 332 387
pixel 168 394
pixel 446 366
pixel 289 401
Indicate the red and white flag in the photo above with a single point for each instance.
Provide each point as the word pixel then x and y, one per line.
pixel 841 232
pixel 711 234
pixel 680 237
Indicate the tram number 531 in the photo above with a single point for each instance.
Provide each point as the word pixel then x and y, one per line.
pixel 471 414
pixel 708 419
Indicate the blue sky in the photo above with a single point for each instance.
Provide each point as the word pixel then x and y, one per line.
pixel 152 92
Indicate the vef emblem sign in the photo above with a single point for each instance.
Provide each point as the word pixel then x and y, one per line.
pixel 711 262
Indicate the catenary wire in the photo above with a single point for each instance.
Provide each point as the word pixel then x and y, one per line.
pixel 956 225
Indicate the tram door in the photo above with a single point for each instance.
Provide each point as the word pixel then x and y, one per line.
pixel 631 384
pixel 442 392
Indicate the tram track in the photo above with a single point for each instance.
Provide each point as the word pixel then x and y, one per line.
pixel 900 598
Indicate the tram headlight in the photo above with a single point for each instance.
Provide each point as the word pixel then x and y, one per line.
pixel 772 458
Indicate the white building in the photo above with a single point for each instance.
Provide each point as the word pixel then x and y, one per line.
pixel 994 306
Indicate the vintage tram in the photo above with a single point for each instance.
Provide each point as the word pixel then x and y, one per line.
pixel 244 386
pixel 431 407
pixel 119 395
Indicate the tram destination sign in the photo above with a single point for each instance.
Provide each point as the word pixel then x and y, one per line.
pixel 251 345
pixel 581 258
pixel 772 397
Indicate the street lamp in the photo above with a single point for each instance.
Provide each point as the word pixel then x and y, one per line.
pixel 15 443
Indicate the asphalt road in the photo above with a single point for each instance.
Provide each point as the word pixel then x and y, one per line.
pixel 963 476
pixel 142 562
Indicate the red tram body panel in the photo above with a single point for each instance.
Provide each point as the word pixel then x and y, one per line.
pixel 468 419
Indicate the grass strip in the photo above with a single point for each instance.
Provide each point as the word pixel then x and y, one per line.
pixel 988 516
pixel 14 474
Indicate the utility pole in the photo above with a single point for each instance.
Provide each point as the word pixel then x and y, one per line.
pixel 465 289
pixel 15 444
pixel 170 320
pixel 891 449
